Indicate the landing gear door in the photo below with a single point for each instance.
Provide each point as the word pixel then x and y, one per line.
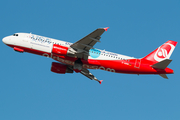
pixel 137 63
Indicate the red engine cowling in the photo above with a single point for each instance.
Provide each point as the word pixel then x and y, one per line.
pixel 60 68
pixel 60 50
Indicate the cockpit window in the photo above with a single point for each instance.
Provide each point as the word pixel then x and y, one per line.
pixel 15 34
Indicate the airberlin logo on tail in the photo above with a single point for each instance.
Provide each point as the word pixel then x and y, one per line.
pixel 164 52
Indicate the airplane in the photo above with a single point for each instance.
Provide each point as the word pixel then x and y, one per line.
pixel 81 55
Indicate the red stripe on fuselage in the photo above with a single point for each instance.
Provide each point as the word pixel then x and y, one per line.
pixel 131 66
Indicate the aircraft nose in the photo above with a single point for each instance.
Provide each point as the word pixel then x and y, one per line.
pixel 4 40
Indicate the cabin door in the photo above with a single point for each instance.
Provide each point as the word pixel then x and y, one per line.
pixel 137 63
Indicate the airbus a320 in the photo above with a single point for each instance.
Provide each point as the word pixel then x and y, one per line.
pixel 81 55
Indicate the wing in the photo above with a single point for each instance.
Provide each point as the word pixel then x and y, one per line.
pixel 83 46
pixel 86 73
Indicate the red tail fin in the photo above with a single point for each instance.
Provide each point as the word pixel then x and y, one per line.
pixel 162 53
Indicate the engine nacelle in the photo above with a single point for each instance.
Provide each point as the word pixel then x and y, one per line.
pixel 59 49
pixel 60 68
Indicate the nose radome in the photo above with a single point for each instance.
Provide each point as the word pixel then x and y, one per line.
pixel 4 41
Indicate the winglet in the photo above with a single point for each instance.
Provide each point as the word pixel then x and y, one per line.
pixel 100 81
pixel 106 28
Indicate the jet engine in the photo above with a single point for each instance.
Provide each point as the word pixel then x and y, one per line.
pixel 59 49
pixel 60 68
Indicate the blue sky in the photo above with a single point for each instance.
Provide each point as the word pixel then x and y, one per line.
pixel 29 91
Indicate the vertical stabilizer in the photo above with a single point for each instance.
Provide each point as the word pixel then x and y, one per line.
pixel 161 53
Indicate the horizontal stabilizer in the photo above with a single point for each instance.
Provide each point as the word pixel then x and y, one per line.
pixel 162 65
pixel 164 76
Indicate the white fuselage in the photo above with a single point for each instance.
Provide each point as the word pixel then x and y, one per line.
pixel 45 44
